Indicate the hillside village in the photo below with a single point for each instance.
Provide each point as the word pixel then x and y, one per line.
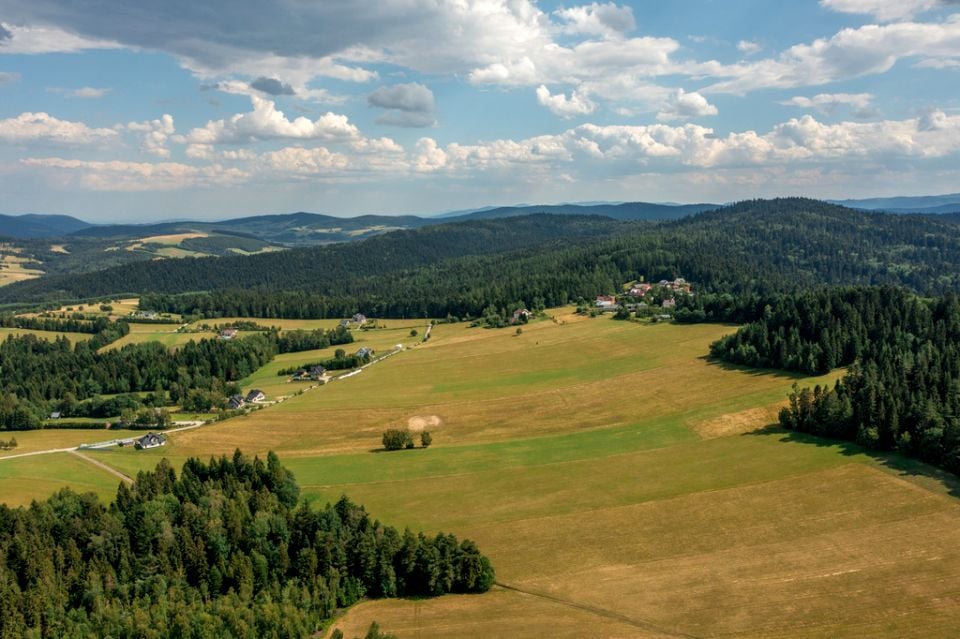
pixel 643 298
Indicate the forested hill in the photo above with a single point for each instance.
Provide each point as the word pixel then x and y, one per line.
pixel 753 246
pixel 324 269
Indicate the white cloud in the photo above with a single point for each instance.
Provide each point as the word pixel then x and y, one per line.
pixel 135 176
pixel 851 53
pixel 559 104
pixel 42 127
pixel 883 10
pixel 684 106
pixel 828 103
pixel 748 47
pixel 9 77
pixel 266 122
pixel 608 20
pixel 88 93
pixel 154 135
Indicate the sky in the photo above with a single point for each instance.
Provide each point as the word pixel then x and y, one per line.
pixel 121 110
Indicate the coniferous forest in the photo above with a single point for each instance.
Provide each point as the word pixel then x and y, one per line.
pixel 224 549
pixel 902 388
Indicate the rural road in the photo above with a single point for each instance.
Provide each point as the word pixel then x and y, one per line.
pixel 100 464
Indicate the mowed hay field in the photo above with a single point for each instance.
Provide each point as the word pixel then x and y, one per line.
pixel 622 485
pixel 165 334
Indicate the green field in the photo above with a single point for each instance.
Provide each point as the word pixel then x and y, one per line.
pixel 50 335
pixel 166 334
pixel 622 485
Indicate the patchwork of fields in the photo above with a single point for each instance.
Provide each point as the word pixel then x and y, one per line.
pixel 623 486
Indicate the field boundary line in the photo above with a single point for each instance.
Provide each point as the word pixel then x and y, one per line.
pixel 110 469
pixel 600 612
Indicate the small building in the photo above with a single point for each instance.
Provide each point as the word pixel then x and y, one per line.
pixel 150 440
pixel 520 315
pixel 641 289
pixel 606 301
pixel 56 415
pixel 299 375
pixel 317 372
pixel 360 319
pixel 255 396
pixel 236 402
pixel 365 352
pixel 345 322
pixel 669 303
pixel 228 333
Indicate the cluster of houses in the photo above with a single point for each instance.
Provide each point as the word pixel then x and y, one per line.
pixel 640 289
pixel 359 319
pixel 314 373
pixel 237 402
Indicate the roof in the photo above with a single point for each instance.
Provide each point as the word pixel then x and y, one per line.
pixel 255 393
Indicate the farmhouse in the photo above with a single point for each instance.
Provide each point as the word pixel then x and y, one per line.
pixel 640 289
pixel 299 375
pixel 345 322
pixel 360 319
pixel 228 333
pixel 520 315
pixel 317 372
pixel 255 396
pixel 55 415
pixel 365 353
pixel 236 402
pixel 151 440
pixel 606 301
pixel 669 303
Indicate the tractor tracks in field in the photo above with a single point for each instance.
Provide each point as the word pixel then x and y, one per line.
pixel 600 612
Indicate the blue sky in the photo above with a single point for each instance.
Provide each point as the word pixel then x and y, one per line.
pixel 128 111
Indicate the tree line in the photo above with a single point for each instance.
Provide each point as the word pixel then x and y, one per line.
pixel 226 548
pixel 38 375
pixel 902 388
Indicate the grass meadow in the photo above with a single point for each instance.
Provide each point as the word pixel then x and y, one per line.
pixel 622 484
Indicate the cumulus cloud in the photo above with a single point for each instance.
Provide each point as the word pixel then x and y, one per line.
pixel 154 135
pixel 406 97
pixel 559 104
pixel 266 122
pixel 851 53
pixel 9 77
pixel 748 47
pixel 883 10
pixel 42 127
pixel 272 86
pixel 608 20
pixel 684 106
pixel 136 176
pixel 828 103
pixel 408 105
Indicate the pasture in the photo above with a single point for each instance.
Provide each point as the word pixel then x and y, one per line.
pixel 622 485
pixel 14 268
pixel 48 335
pixel 165 334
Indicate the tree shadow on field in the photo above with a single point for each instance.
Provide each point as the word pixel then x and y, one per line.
pixel 901 465
pixel 753 371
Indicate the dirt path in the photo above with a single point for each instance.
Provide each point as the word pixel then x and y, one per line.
pixel 600 612
pixel 113 471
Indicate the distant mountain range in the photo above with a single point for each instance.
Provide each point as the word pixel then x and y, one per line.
pixel 308 229
pixel 927 204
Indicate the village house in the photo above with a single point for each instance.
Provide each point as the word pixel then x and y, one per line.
pixel 236 402
pixel 678 285
pixel 299 375
pixel 640 289
pixel 360 319
pixel 366 352
pixel 55 415
pixel 228 333
pixel 345 323
pixel 150 440
pixel 606 301
pixel 317 372
pixel 669 303
pixel 255 396
pixel 520 315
